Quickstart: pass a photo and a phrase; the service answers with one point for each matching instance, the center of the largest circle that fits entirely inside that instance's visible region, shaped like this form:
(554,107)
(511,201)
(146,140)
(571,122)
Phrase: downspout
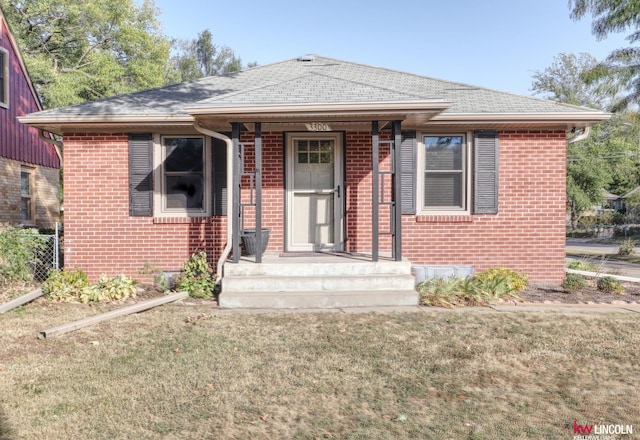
(55,143)
(582,136)
(227,249)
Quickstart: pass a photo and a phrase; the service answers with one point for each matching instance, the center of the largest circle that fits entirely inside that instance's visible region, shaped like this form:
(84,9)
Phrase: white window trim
(468,178)
(5,77)
(31,196)
(159,209)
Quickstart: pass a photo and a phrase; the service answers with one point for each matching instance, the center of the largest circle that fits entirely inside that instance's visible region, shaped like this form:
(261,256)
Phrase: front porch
(317,281)
(324,179)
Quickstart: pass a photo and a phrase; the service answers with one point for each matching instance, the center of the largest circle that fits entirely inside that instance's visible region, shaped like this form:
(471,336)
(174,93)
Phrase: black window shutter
(219,169)
(408,172)
(486,173)
(140,175)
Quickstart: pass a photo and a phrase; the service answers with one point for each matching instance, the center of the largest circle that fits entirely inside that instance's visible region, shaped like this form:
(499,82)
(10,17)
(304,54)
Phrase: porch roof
(309,87)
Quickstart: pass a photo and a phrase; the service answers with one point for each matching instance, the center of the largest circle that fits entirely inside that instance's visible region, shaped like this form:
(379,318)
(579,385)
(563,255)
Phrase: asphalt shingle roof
(322,80)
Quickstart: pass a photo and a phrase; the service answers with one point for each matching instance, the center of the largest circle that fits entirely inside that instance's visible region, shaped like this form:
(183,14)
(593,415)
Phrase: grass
(187,372)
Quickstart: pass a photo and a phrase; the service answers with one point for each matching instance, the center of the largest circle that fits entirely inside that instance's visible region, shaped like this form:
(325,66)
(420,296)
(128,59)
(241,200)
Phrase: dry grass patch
(180,372)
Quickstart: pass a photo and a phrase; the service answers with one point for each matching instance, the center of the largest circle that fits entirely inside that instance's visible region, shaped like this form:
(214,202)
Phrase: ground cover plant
(73,285)
(495,284)
(194,372)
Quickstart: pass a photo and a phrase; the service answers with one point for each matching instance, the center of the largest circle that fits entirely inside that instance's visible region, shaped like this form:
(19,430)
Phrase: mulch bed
(588,295)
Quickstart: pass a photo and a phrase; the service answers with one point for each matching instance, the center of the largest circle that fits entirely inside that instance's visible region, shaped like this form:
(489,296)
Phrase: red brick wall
(526,235)
(100,236)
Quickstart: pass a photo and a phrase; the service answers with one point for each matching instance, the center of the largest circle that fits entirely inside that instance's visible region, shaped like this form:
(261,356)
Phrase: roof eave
(61,124)
(577,119)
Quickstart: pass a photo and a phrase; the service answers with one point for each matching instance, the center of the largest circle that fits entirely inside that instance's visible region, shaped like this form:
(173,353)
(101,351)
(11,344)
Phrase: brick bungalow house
(29,165)
(355,173)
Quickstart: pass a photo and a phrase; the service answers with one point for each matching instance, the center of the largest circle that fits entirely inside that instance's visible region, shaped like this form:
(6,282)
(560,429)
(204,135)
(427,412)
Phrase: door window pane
(314,169)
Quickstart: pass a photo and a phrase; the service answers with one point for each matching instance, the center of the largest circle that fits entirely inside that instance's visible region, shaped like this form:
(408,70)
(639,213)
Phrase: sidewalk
(532,307)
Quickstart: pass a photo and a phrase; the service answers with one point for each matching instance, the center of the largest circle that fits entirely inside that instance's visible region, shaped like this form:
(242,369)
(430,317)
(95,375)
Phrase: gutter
(582,136)
(227,249)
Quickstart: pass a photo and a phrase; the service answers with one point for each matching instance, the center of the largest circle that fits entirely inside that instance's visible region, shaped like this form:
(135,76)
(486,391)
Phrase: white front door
(314,192)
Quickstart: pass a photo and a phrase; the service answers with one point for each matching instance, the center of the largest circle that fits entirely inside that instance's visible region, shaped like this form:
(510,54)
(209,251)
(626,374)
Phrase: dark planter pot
(250,243)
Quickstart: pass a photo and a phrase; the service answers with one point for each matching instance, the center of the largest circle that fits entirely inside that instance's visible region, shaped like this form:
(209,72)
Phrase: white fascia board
(36,120)
(320,109)
(523,117)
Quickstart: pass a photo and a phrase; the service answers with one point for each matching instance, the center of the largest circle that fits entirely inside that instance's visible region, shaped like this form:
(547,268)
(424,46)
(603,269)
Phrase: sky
(497,44)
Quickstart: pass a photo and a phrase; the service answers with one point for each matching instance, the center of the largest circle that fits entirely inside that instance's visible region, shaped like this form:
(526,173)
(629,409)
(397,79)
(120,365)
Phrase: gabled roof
(302,85)
(16,49)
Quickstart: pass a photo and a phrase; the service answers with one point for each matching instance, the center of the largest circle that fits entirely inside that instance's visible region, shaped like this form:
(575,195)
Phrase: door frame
(339,182)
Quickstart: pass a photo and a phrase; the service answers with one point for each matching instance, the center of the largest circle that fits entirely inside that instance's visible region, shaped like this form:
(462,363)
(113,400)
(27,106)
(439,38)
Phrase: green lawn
(183,372)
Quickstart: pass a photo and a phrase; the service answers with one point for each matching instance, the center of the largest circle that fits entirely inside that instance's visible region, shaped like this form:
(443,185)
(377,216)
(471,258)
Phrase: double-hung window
(443,173)
(26,196)
(184,179)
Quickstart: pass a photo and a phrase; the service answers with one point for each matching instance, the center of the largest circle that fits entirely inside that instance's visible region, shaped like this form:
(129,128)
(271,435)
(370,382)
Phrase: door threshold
(312,254)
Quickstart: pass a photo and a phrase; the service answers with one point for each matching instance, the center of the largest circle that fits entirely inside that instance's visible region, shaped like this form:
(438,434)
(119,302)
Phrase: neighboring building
(29,166)
(478,181)
(612,202)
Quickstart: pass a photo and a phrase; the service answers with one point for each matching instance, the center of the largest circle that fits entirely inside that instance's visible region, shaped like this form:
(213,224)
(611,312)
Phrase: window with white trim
(26,196)
(4,78)
(443,173)
(184,179)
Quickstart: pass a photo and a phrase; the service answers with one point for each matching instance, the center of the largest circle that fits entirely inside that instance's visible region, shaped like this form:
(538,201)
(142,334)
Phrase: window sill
(181,220)
(444,218)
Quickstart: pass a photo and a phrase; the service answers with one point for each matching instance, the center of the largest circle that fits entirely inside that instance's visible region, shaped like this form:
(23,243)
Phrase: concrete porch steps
(322,281)
(323,299)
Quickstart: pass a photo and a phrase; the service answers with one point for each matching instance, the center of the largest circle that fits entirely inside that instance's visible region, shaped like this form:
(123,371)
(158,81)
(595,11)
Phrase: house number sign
(318,126)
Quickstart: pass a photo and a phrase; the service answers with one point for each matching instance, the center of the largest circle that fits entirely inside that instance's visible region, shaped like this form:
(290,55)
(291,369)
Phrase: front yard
(194,372)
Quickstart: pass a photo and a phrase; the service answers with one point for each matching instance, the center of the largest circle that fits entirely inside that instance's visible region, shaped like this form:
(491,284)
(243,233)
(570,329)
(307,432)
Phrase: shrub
(573,282)
(18,254)
(610,285)
(490,285)
(65,285)
(73,285)
(197,277)
(583,265)
(109,289)
(627,247)
(441,292)
(500,281)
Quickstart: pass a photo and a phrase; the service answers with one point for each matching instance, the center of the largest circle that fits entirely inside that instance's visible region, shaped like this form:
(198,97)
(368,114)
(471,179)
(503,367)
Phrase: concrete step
(314,266)
(317,299)
(289,283)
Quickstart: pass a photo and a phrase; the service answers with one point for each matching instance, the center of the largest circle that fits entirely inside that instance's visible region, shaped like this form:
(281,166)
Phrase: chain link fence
(31,255)
(46,255)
